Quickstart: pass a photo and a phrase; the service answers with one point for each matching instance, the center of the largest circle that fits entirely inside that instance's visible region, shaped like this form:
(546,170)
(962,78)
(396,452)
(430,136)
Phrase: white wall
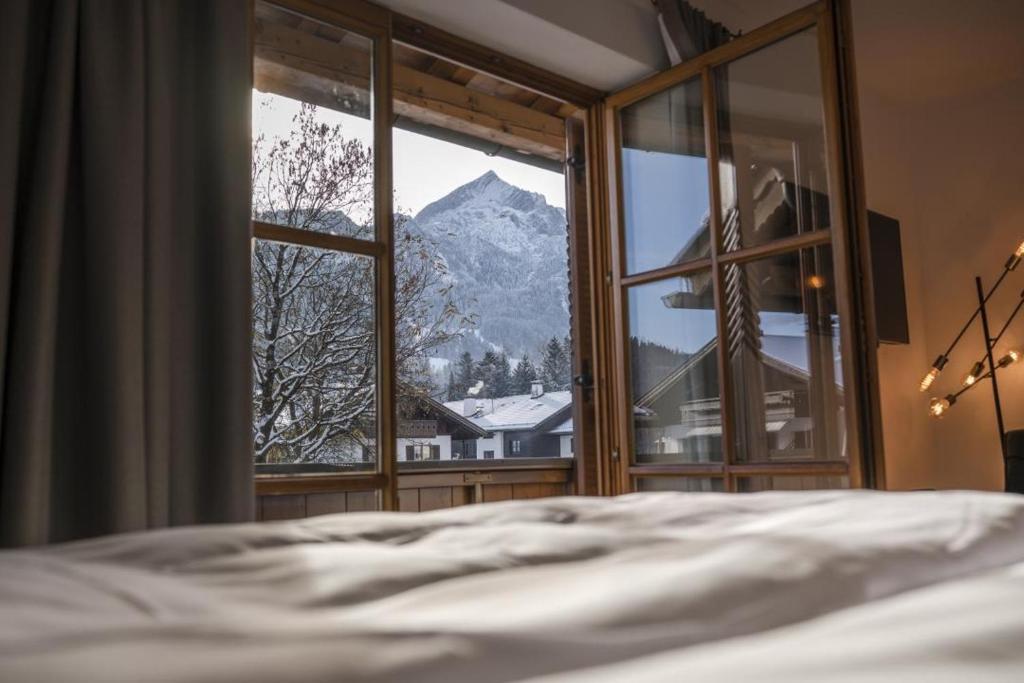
(565,446)
(495,443)
(950,168)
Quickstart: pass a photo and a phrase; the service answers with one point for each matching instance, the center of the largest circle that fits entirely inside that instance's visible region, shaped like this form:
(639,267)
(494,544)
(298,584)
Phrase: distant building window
(488,455)
(464,449)
(422,451)
(515,446)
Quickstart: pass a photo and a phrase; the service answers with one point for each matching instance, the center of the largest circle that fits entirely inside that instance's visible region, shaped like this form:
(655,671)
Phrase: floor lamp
(986,367)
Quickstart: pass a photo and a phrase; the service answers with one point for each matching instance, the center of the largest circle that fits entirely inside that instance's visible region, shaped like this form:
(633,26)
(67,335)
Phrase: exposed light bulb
(816,282)
(927,380)
(937,366)
(940,406)
(1014,261)
(972,376)
(1012,356)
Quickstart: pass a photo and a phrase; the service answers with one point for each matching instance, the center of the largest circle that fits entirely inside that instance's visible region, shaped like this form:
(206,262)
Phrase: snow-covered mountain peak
(489,191)
(506,251)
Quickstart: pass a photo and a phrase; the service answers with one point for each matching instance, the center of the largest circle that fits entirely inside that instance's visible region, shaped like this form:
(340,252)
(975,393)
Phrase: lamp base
(1015,461)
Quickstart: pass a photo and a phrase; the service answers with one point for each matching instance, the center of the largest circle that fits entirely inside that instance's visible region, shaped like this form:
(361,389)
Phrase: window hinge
(608,278)
(615,454)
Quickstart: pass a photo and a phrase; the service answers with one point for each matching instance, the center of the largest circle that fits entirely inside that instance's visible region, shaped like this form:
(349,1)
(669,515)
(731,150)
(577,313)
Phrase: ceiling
(602,43)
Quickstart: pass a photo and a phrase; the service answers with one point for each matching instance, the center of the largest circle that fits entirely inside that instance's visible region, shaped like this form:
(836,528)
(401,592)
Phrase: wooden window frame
(385,27)
(846,236)
(373,23)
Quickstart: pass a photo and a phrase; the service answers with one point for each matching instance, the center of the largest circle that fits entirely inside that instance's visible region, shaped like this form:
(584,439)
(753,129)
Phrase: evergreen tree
(502,378)
(555,371)
(486,371)
(463,377)
(452,392)
(524,376)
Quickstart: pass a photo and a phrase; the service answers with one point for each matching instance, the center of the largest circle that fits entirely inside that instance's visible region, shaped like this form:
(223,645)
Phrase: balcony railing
(289,492)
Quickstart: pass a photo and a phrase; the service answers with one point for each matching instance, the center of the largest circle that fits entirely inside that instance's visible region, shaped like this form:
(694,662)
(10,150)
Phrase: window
(422,452)
(464,449)
(729,287)
(321,321)
(481,238)
(363,312)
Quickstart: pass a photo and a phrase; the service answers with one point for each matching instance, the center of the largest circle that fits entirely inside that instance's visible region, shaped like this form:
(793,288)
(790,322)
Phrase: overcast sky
(425,169)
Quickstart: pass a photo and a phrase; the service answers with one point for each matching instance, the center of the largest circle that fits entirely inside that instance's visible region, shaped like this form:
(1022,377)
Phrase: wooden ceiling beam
(340,73)
(449,46)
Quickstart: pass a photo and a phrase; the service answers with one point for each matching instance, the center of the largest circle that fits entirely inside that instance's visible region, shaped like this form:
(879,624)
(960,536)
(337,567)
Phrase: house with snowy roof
(521,426)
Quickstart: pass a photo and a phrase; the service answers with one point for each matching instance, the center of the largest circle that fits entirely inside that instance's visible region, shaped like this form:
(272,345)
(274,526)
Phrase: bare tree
(314,355)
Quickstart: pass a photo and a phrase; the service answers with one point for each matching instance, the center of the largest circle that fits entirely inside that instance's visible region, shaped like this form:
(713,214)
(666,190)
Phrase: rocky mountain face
(507,253)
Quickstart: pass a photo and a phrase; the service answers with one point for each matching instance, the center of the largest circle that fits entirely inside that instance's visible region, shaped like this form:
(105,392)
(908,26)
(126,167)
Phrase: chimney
(536,390)
(469,407)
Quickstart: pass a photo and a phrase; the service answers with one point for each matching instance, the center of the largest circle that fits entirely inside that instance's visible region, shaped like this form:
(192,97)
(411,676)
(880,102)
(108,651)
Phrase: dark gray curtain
(124,266)
(686,31)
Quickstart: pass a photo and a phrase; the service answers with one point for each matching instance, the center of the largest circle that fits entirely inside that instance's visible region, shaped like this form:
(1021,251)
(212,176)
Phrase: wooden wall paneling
(449,46)
(317,66)
(435,498)
(276,508)
(361,501)
(496,492)
(408,500)
(462,495)
(325,503)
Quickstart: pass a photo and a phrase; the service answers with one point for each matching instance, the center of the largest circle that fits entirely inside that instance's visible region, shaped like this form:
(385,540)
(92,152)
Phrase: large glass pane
(683,484)
(672,338)
(665,179)
(773,170)
(484,355)
(314,357)
(785,359)
(791,482)
(312,125)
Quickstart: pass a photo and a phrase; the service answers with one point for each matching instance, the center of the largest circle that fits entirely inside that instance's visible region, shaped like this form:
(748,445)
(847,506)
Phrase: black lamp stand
(990,343)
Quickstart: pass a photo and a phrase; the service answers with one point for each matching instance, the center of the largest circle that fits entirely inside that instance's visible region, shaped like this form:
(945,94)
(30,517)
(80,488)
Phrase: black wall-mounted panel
(887,277)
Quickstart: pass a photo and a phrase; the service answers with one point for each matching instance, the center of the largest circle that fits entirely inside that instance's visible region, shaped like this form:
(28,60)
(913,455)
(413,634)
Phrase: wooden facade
(421,487)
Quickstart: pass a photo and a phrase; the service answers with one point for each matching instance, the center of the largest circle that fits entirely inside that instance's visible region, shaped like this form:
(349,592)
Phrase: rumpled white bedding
(822,586)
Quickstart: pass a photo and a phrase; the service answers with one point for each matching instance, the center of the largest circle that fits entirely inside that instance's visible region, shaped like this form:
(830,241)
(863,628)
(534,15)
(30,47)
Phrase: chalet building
(429,430)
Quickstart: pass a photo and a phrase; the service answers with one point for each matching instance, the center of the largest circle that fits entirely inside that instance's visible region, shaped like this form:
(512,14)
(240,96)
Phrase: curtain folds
(686,31)
(124,266)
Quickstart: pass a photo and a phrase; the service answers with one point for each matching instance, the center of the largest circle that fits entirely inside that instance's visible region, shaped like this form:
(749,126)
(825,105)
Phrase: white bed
(828,586)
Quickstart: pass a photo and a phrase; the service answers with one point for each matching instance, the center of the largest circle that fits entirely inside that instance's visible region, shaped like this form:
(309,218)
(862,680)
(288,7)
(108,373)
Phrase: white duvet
(648,587)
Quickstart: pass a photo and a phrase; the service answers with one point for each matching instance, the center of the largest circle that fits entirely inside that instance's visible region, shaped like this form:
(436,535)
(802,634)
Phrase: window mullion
(717,276)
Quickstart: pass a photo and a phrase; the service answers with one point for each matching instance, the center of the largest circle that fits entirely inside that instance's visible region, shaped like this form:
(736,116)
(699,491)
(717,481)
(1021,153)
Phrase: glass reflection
(676,409)
(665,179)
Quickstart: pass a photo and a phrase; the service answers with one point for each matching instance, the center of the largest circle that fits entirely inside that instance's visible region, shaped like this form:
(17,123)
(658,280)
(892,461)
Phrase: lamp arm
(1006,325)
(977,311)
(971,386)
